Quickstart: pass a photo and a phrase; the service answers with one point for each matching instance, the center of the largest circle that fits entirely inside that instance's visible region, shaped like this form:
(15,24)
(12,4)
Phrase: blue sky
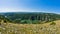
(51,6)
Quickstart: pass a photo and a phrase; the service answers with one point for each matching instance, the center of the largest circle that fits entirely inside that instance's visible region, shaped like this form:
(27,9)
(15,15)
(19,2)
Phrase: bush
(23,22)
(5,21)
(35,22)
(16,21)
(29,21)
(53,23)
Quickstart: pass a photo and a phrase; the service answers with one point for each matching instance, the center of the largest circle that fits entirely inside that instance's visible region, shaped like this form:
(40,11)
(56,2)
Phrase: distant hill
(30,17)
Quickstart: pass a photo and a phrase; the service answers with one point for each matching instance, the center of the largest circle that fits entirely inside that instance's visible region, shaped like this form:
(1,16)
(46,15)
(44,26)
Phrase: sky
(49,6)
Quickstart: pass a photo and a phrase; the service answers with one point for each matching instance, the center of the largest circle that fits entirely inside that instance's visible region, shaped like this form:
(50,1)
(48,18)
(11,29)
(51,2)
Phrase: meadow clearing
(46,28)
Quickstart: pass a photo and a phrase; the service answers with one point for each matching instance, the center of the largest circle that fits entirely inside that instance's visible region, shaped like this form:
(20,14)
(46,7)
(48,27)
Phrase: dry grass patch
(46,28)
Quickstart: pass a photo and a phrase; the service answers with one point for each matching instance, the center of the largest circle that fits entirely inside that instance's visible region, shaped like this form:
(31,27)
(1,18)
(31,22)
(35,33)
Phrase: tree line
(30,18)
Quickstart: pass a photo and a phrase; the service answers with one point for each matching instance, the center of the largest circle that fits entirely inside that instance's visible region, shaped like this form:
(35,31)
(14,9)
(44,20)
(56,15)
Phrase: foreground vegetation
(47,28)
(29,23)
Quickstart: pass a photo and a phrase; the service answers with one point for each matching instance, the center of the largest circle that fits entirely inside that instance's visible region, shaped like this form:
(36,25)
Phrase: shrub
(35,22)
(5,21)
(53,23)
(29,21)
(23,22)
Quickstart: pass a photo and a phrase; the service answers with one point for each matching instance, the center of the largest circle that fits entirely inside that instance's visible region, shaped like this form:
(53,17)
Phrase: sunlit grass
(46,28)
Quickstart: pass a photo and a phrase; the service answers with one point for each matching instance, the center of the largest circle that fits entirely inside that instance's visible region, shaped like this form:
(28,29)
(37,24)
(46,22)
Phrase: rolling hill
(29,17)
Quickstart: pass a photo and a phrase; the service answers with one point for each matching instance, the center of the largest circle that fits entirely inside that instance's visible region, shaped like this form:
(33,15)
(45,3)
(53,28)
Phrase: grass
(46,28)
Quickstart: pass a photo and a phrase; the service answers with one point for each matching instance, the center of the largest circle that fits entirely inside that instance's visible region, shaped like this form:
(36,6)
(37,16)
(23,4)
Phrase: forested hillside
(29,18)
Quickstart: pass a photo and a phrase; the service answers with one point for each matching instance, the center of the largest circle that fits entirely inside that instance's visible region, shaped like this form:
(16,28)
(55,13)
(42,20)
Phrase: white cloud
(21,10)
(18,10)
(11,10)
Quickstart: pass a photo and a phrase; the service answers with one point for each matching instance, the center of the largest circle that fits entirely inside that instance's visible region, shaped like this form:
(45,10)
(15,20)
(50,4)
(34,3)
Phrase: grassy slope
(46,28)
